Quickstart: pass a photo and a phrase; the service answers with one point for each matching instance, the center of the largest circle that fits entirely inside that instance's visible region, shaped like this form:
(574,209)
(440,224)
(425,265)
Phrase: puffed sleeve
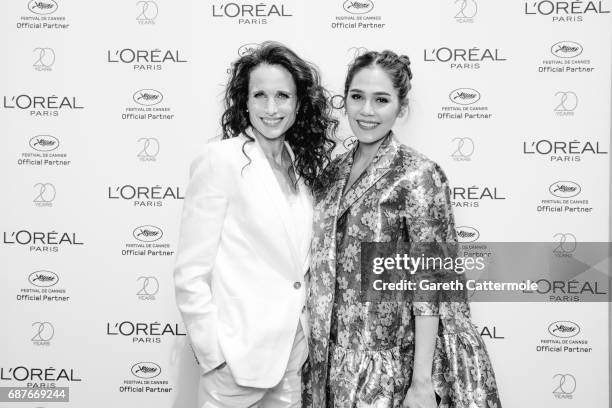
(202,221)
(432,232)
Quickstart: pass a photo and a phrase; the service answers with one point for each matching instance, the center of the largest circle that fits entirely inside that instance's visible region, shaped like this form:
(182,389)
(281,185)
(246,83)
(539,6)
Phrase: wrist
(419,379)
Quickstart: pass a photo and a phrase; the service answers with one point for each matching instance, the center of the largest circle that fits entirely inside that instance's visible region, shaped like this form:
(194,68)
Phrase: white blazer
(240,272)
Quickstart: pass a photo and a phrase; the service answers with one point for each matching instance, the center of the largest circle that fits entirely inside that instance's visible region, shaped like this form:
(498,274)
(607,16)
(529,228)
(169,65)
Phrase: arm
(426,330)
(434,228)
(201,226)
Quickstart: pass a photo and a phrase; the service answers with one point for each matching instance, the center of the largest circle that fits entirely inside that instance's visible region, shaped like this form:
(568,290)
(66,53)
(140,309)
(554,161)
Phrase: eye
(381,99)
(258,94)
(283,95)
(355,97)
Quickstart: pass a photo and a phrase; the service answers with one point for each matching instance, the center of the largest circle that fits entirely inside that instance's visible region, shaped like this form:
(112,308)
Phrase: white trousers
(219,390)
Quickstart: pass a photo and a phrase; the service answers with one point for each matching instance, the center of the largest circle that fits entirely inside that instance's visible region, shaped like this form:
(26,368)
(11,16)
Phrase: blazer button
(297,285)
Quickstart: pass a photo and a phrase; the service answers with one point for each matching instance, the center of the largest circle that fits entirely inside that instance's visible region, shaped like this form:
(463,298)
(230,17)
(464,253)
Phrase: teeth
(272,122)
(367,125)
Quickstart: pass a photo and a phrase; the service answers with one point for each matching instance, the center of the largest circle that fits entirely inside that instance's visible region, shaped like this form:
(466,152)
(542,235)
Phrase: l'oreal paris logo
(22,373)
(129,56)
(464,96)
(564,189)
(358,6)
(547,8)
(43,7)
(146,370)
(53,102)
(148,97)
(147,233)
(566,49)
(564,329)
(575,147)
(247,10)
(44,143)
(43,279)
(445,54)
(130,192)
(476,193)
(467,234)
(25,237)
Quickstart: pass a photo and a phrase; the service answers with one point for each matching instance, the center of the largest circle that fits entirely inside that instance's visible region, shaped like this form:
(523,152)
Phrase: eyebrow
(375,93)
(278,90)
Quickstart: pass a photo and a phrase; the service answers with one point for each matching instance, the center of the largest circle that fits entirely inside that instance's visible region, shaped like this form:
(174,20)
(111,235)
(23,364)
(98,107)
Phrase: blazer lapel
(381,165)
(270,185)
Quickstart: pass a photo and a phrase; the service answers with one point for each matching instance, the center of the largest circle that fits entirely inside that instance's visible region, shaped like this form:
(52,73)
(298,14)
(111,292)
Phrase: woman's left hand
(420,395)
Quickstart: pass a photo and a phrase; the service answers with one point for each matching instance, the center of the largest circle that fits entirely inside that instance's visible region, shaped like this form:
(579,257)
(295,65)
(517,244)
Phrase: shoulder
(219,153)
(229,146)
(419,168)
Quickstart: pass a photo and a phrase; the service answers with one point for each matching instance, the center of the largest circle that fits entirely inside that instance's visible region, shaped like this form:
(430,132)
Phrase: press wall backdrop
(105,104)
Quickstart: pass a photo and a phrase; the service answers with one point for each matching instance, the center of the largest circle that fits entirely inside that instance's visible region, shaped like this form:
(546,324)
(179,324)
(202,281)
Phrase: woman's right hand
(420,395)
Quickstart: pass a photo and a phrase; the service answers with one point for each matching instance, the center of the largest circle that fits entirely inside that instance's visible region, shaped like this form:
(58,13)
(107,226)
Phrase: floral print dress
(361,353)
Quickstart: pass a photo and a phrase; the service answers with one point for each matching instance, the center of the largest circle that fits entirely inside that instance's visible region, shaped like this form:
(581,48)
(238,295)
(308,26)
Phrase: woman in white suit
(243,251)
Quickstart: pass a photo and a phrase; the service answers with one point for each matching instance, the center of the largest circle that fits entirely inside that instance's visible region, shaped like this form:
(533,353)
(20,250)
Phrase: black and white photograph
(306,204)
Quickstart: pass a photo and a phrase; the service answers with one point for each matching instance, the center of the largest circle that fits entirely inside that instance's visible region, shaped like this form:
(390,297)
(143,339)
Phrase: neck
(367,151)
(272,148)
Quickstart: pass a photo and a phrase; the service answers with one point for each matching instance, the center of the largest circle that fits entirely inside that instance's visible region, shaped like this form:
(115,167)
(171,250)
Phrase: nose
(271,107)
(366,108)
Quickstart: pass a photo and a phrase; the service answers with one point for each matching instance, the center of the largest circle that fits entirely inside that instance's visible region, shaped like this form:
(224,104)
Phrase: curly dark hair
(310,137)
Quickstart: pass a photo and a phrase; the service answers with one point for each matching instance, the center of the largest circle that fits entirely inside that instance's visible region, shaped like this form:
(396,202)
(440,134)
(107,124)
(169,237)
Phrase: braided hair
(396,66)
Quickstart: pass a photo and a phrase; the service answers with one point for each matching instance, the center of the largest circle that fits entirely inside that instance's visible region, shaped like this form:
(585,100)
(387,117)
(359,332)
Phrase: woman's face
(272,102)
(372,104)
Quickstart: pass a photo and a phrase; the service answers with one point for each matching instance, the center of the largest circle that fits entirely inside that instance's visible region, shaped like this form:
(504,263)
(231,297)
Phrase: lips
(271,121)
(367,125)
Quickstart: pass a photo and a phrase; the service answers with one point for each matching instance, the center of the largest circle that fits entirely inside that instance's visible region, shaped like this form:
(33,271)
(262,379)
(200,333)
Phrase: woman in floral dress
(385,354)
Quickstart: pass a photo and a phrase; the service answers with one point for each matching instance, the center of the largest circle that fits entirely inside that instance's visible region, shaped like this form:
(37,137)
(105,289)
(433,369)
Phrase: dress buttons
(297,285)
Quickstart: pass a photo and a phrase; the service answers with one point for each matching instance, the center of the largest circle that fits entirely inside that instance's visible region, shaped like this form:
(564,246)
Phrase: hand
(420,395)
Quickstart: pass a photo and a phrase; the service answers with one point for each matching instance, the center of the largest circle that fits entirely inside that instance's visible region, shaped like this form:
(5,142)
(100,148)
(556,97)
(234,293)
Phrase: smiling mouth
(367,125)
(271,121)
